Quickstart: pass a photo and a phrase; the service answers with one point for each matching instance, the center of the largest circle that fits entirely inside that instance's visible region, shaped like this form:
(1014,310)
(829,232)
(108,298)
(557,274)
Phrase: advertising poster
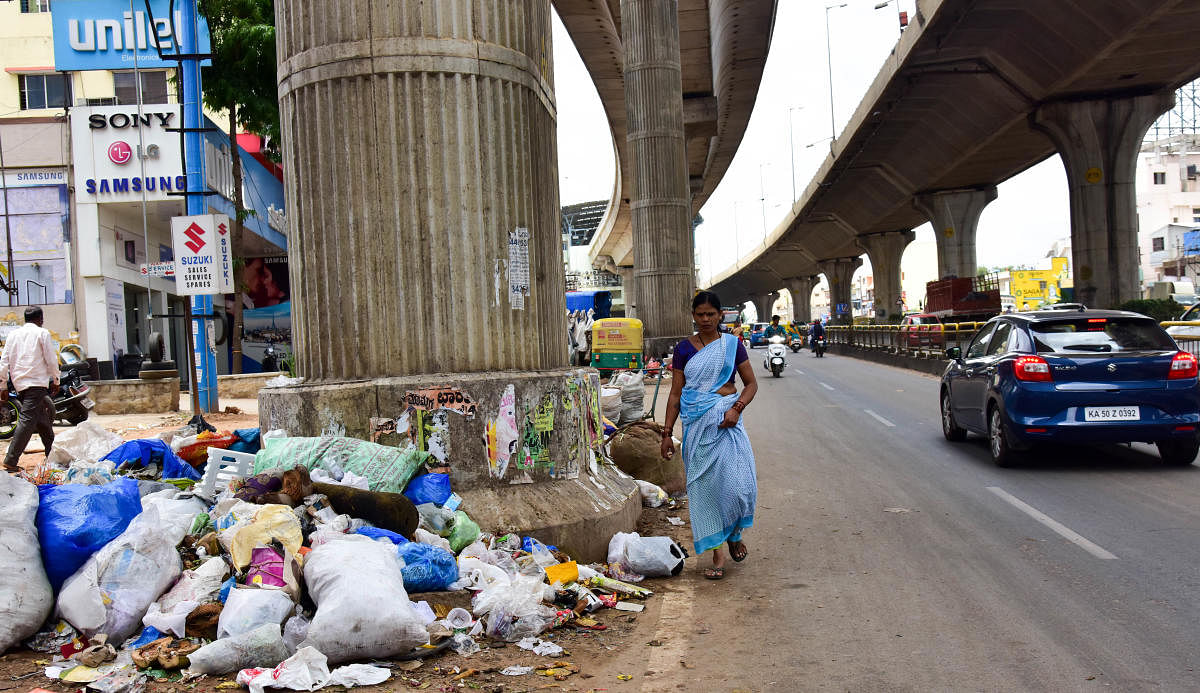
(267,313)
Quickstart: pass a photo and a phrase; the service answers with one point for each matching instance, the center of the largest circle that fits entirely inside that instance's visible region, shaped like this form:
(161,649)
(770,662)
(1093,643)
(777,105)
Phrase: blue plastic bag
(427,568)
(428,488)
(153,451)
(75,521)
(149,635)
(531,545)
(377,533)
(226,588)
(249,440)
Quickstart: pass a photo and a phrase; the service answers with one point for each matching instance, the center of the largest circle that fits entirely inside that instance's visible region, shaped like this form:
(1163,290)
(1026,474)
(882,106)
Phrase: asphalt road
(885,558)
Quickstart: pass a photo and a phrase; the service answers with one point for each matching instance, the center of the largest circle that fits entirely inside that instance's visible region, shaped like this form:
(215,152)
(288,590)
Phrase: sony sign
(106,34)
(121,155)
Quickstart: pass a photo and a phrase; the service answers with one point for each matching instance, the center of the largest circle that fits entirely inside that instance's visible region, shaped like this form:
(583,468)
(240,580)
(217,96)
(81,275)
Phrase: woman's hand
(731,419)
(667,448)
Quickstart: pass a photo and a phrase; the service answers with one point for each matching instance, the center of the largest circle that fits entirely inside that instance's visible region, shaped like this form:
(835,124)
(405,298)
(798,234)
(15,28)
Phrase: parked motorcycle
(71,403)
(774,361)
(819,346)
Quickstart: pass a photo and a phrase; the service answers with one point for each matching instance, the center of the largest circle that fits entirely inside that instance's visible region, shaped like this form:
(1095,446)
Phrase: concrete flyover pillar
(885,251)
(763,303)
(954,215)
(661,201)
(422,186)
(1099,141)
(801,289)
(839,272)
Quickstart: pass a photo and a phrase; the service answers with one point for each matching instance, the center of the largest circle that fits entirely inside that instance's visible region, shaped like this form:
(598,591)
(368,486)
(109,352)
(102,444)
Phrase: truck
(967,299)
(1182,290)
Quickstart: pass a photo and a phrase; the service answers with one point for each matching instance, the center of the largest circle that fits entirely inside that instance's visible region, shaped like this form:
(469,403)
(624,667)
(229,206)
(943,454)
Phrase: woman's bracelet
(739,405)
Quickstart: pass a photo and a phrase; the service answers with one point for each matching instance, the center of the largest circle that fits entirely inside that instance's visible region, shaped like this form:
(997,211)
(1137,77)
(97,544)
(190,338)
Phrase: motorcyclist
(816,331)
(774,329)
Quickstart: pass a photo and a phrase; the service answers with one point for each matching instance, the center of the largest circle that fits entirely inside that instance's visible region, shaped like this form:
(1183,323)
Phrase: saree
(721,484)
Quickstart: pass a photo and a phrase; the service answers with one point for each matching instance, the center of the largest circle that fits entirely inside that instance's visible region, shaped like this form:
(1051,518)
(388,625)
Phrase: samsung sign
(106,35)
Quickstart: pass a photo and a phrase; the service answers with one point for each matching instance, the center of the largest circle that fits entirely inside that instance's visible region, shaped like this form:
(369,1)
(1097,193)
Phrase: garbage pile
(276,557)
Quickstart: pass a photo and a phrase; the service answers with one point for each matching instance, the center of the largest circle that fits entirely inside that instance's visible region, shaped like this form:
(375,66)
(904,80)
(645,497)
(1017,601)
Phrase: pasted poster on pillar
(501,435)
(266,313)
(518,267)
(204,254)
(114,302)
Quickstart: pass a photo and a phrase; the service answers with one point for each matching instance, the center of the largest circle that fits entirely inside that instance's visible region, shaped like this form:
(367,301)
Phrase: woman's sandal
(736,556)
(714,573)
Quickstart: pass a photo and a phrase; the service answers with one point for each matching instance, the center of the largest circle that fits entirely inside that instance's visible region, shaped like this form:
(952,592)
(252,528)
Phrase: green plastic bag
(462,533)
(387,469)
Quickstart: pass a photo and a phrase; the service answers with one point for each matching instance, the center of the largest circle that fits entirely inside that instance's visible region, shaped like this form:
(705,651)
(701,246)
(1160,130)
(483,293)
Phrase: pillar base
(549,481)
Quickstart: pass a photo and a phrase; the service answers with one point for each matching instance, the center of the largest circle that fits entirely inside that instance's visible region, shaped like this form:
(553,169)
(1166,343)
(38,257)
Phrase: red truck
(974,299)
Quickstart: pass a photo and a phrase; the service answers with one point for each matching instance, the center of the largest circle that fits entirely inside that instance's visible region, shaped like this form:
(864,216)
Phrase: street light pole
(792,149)
(899,15)
(829,64)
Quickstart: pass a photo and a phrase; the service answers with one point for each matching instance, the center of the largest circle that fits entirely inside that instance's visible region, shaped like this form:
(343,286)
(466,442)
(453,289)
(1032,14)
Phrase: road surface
(887,559)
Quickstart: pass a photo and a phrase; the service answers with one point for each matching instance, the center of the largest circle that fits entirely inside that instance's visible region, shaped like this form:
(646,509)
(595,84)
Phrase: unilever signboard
(106,34)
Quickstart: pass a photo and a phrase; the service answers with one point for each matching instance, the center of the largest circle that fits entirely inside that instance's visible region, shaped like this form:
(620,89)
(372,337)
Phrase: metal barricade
(1188,339)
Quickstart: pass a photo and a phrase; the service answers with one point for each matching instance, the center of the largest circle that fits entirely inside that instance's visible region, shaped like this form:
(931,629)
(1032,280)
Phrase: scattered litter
(897,510)
(540,647)
(678,522)
(516,670)
(630,606)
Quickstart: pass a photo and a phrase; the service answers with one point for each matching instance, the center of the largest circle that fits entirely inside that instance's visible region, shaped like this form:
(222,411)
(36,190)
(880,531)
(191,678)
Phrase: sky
(788,137)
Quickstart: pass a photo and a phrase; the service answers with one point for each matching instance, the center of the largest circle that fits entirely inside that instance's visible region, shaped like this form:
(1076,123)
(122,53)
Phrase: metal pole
(762,200)
(12,279)
(829,64)
(792,150)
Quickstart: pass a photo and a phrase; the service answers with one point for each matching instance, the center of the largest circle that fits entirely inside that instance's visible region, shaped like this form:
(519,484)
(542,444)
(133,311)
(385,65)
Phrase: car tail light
(1182,366)
(1032,369)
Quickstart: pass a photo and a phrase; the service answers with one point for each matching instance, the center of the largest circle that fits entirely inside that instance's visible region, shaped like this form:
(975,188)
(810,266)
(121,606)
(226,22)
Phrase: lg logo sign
(119,153)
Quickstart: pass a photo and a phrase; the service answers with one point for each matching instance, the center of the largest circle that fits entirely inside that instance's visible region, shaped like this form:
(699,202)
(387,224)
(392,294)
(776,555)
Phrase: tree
(241,82)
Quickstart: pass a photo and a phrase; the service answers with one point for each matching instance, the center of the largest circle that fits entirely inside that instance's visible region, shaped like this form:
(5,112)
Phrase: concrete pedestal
(763,304)
(521,447)
(954,215)
(885,251)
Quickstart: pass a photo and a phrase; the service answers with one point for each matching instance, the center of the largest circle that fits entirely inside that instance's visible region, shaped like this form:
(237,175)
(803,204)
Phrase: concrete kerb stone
(932,366)
(540,476)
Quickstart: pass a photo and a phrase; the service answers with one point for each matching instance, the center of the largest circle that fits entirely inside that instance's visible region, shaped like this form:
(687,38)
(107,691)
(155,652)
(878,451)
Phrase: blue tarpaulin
(597,300)
(153,451)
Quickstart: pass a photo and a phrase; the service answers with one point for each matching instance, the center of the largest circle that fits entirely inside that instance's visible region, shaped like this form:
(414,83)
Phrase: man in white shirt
(30,362)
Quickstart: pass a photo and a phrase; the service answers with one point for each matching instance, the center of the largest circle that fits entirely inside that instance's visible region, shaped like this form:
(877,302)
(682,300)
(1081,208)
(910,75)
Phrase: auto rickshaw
(617,344)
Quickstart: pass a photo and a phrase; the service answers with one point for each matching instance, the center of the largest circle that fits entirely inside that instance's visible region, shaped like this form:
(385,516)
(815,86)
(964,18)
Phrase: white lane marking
(798,371)
(1056,526)
(880,419)
(827,387)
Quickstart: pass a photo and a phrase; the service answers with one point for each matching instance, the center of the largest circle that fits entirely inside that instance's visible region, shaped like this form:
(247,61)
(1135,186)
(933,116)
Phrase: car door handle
(990,370)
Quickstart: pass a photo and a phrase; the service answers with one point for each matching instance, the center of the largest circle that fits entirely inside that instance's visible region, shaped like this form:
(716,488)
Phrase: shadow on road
(1080,458)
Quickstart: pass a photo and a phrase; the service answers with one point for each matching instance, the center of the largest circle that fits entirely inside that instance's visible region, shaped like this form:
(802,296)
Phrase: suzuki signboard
(106,34)
(121,154)
(204,254)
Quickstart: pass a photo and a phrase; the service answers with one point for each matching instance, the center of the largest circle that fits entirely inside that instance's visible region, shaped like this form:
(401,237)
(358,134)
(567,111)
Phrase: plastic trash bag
(195,587)
(379,533)
(649,556)
(427,568)
(386,468)
(90,473)
(248,608)
(308,670)
(261,647)
(363,611)
(75,521)
(116,586)
(87,441)
(273,569)
(248,440)
(25,595)
(430,538)
(428,488)
(246,526)
(141,453)
(462,533)
(434,518)
(295,630)
(652,495)
(513,608)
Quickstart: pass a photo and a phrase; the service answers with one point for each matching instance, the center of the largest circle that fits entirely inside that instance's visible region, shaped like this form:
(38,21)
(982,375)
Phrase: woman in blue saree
(721,484)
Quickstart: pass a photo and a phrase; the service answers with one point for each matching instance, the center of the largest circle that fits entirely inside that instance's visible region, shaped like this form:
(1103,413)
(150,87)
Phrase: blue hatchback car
(1078,376)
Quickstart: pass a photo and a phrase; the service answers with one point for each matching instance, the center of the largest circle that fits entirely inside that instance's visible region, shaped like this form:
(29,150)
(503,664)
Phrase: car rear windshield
(1100,335)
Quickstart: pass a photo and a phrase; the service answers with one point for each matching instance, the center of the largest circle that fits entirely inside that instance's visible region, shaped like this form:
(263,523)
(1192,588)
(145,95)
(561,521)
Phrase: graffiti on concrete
(441,398)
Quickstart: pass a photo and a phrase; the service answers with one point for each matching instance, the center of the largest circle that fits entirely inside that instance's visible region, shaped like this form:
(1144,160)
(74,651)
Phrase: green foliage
(1161,309)
(243,71)
(289,364)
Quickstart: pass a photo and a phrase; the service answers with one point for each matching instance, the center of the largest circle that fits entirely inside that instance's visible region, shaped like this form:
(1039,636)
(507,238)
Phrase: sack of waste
(261,647)
(633,395)
(428,488)
(195,587)
(427,568)
(25,594)
(649,556)
(86,441)
(610,402)
(386,468)
(637,451)
(75,521)
(363,611)
(247,608)
(116,586)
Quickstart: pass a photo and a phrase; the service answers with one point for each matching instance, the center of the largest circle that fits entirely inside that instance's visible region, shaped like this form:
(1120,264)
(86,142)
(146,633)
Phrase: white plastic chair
(223,466)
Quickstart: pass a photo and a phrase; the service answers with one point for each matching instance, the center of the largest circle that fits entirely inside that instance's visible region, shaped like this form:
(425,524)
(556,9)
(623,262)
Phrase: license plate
(1111,414)
(87,402)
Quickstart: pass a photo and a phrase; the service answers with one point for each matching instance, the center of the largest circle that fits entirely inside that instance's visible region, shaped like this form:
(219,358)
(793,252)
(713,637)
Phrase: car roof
(1051,315)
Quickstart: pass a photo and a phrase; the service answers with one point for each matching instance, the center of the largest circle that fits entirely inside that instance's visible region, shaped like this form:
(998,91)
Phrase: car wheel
(1179,453)
(950,428)
(9,414)
(1002,453)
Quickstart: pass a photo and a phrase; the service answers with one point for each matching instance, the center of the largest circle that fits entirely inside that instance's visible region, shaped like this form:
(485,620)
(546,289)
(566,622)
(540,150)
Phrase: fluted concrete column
(839,272)
(885,251)
(422,186)
(763,304)
(801,289)
(954,215)
(660,201)
(1099,141)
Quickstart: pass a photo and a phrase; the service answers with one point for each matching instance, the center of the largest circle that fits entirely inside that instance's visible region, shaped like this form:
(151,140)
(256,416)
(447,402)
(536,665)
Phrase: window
(44,91)
(1000,339)
(1158,244)
(154,87)
(979,344)
(30,6)
(1160,178)
(1098,335)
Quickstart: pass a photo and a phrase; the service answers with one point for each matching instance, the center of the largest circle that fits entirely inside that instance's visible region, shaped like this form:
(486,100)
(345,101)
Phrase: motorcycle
(71,403)
(818,345)
(796,343)
(774,360)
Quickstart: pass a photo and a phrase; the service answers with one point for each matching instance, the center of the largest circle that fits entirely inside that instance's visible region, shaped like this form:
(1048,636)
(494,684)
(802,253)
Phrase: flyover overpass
(975,92)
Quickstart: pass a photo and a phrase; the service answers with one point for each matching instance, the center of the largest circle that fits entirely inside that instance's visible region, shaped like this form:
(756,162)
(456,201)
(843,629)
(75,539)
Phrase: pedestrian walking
(30,363)
(721,481)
